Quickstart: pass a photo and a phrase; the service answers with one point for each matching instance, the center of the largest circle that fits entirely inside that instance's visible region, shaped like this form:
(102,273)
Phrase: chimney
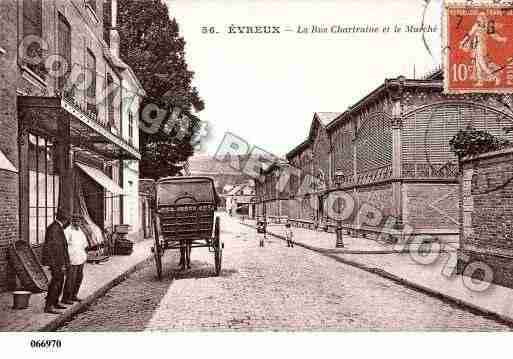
(114,35)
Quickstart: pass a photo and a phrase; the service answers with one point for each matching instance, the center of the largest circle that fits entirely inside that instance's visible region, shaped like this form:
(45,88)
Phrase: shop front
(69,160)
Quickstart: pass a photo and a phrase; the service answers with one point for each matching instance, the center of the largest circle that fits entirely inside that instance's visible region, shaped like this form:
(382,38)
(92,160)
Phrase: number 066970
(45,343)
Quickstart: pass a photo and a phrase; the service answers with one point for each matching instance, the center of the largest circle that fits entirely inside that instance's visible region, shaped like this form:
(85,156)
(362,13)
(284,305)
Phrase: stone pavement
(98,279)
(269,288)
(437,278)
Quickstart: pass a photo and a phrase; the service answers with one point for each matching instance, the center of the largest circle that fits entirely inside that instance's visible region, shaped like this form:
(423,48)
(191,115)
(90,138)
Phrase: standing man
(261,232)
(55,255)
(289,235)
(77,244)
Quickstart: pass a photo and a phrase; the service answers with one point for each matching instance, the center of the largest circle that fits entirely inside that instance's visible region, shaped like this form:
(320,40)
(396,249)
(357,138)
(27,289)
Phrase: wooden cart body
(184,217)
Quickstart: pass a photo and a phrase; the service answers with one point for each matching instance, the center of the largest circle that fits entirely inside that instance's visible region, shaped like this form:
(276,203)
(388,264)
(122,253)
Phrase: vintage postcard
(201,169)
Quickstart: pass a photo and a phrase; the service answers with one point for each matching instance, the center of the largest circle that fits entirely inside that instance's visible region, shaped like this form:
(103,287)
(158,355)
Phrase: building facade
(224,172)
(240,199)
(390,156)
(69,121)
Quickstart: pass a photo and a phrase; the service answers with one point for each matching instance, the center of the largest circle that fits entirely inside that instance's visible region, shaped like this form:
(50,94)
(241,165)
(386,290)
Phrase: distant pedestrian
(261,232)
(77,244)
(289,235)
(55,256)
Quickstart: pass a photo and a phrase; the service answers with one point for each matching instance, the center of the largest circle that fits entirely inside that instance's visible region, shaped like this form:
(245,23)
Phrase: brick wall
(8,220)
(487,213)
(8,135)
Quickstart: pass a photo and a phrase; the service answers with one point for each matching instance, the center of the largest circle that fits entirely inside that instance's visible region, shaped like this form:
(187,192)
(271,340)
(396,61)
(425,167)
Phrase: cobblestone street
(270,288)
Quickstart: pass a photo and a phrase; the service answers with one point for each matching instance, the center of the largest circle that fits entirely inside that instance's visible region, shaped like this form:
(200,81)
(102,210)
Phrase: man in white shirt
(77,244)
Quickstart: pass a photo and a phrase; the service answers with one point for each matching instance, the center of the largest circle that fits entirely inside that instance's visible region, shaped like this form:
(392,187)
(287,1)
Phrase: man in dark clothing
(55,255)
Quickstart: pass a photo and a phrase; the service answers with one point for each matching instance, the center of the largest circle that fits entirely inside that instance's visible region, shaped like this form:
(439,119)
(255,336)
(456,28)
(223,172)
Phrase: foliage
(471,142)
(150,43)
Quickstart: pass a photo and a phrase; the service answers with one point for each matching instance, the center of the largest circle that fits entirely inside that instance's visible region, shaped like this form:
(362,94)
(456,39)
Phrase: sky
(266,88)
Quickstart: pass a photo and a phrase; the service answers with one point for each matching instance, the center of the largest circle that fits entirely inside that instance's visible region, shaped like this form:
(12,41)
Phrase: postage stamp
(477,48)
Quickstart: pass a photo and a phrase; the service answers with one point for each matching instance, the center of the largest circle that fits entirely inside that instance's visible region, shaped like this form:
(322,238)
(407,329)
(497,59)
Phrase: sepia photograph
(291,175)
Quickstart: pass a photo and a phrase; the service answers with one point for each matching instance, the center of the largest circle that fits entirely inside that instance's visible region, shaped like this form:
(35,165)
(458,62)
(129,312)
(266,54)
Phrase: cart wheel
(218,247)
(157,250)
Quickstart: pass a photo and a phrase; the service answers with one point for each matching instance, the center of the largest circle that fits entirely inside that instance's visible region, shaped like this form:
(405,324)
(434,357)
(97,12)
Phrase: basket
(27,267)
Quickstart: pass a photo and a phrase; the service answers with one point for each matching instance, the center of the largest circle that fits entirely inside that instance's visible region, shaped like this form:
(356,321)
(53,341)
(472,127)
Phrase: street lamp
(338,231)
(340,238)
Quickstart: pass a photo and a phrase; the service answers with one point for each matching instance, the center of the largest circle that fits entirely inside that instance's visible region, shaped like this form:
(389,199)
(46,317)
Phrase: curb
(79,307)
(346,251)
(476,309)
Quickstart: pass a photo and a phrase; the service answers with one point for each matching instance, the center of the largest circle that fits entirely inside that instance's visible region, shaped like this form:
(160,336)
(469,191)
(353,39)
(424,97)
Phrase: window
(130,127)
(110,101)
(33,26)
(91,90)
(64,50)
(32,18)
(43,187)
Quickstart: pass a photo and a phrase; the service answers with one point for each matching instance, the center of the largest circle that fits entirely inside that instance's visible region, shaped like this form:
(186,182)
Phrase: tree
(150,43)
(472,142)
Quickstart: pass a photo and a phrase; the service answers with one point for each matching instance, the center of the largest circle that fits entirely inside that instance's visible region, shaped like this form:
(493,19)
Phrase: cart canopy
(183,190)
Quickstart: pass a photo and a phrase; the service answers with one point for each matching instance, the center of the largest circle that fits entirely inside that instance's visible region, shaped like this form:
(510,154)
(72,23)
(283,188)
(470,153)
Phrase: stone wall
(9,133)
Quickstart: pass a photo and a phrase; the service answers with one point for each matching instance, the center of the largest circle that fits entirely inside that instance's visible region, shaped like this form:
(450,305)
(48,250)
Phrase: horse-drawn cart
(184,218)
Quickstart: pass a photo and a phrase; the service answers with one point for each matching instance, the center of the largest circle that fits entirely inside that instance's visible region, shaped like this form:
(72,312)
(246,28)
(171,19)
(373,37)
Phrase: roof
(327,117)
(432,82)
(297,149)
(115,61)
(227,188)
(275,165)
(210,165)
(435,75)
(331,119)
(235,189)
(185,179)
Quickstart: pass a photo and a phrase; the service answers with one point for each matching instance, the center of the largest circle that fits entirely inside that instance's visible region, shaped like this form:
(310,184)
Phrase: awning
(5,164)
(41,115)
(102,179)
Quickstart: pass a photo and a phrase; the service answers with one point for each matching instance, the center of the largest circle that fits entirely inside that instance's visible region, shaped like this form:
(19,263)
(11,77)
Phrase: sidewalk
(98,279)
(438,278)
(325,242)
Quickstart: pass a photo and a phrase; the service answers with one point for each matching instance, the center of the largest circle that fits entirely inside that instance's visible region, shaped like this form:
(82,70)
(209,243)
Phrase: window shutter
(64,47)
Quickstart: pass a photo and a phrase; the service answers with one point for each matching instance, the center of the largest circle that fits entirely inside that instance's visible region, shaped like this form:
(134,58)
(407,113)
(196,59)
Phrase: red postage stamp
(478,48)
